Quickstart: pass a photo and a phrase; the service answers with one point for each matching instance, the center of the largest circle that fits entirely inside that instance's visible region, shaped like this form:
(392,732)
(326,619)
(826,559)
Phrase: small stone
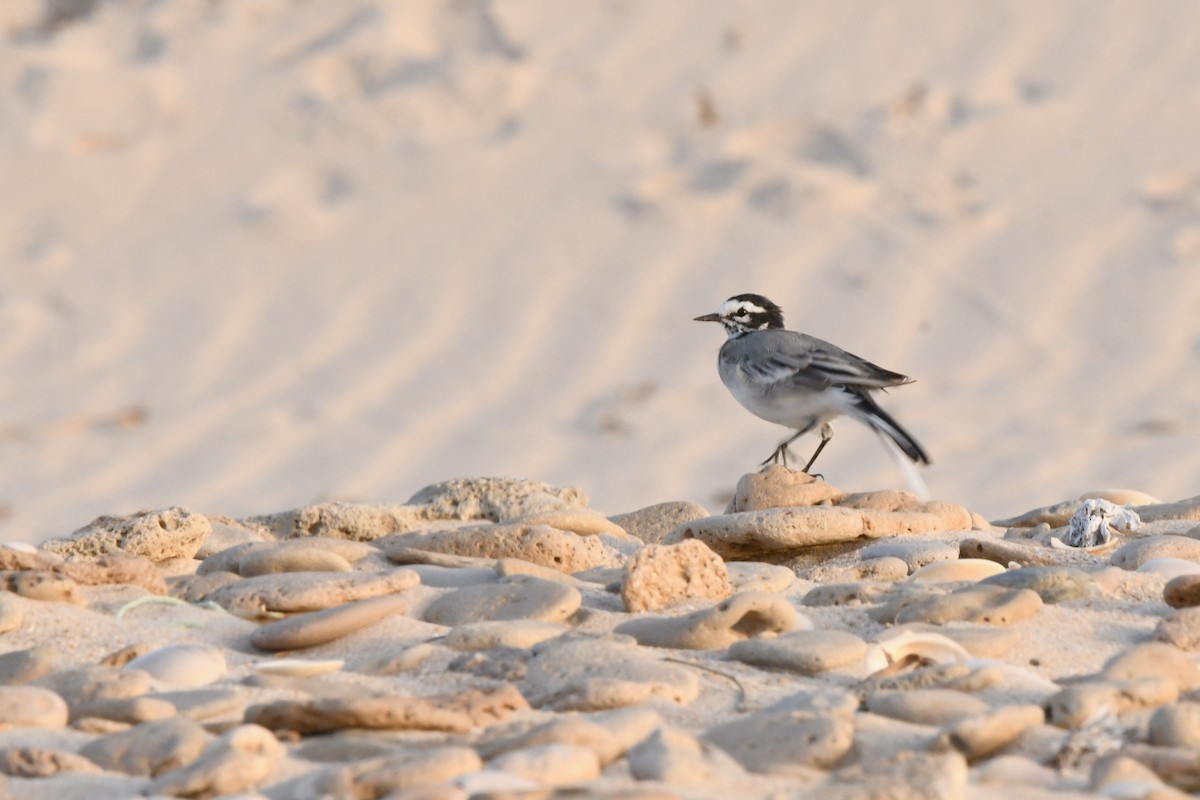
(581,521)
(299,667)
(749,533)
(1182,592)
(1170,568)
(205,705)
(993,605)
(293,592)
(926,706)
(538,544)
(659,576)
(1080,703)
(1024,553)
(31,707)
(84,687)
(458,713)
(1176,725)
(452,578)
(1056,516)
(196,588)
(1188,509)
(318,627)
(518,597)
(675,757)
(846,594)
(289,557)
(1181,629)
(755,576)
(516,566)
(401,775)
(777,742)
(495,499)
(130,710)
(779,487)
(239,760)
(1053,584)
(820,699)
(158,535)
(151,748)
(26,666)
(358,522)
(504,633)
(908,776)
(225,534)
(183,666)
(551,764)
(914,552)
(653,523)
(117,568)
(48,586)
(981,736)
(742,616)
(1137,552)
(12,613)
(575,731)
(806,652)
(1177,767)
(959,570)
(1154,660)
(39,762)
(618,674)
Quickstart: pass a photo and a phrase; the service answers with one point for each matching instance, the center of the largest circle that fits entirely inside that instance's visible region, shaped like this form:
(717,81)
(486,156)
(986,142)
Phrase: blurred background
(260,253)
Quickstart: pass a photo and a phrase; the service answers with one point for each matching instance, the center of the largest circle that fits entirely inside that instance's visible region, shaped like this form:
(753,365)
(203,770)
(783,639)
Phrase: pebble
(847,594)
(291,592)
(516,597)
(31,707)
(47,586)
(992,605)
(158,535)
(458,713)
(1154,660)
(958,570)
(755,576)
(12,613)
(494,499)
(653,523)
(1023,553)
(1181,629)
(538,544)
(981,736)
(675,757)
(399,775)
(914,552)
(659,576)
(808,652)
(225,534)
(453,577)
(551,764)
(1052,584)
(318,627)
(237,761)
(40,762)
(779,742)
(1176,725)
(182,666)
(196,588)
(780,487)
(1170,568)
(582,521)
(749,533)
(619,674)
(1137,552)
(203,705)
(910,776)
(524,634)
(297,556)
(151,748)
(1183,591)
(26,666)
(743,616)
(299,667)
(925,706)
(1080,703)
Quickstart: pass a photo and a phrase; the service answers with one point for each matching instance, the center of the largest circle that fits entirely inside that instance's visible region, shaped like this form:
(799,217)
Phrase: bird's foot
(779,455)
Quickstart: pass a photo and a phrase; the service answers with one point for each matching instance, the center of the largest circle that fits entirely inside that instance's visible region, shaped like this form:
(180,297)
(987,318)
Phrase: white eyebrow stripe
(730,307)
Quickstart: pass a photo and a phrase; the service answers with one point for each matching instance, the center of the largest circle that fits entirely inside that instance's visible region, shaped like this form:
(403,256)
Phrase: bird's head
(746,312)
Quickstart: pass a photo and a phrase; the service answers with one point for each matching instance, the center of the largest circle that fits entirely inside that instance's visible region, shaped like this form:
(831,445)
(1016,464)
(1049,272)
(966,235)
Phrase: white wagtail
(799,381)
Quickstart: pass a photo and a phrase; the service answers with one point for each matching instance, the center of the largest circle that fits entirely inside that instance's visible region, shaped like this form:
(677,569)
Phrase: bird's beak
(708,318)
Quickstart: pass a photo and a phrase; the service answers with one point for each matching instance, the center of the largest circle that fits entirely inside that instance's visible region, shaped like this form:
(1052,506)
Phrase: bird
(800,381)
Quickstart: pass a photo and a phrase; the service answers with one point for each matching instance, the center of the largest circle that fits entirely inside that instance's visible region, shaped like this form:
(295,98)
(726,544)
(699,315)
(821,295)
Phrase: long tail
(882,422)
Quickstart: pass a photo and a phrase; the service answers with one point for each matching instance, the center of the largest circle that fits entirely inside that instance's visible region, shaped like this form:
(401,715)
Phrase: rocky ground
(498,638)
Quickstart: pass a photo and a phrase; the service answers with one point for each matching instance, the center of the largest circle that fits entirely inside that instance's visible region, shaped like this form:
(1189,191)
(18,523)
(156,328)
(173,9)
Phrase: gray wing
(770,357)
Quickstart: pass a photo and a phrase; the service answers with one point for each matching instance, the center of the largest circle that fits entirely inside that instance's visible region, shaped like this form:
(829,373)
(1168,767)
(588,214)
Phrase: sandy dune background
(256,253)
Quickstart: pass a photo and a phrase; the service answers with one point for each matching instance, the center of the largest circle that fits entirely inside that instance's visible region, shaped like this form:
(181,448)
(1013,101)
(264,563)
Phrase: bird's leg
(780,453)
(826,435)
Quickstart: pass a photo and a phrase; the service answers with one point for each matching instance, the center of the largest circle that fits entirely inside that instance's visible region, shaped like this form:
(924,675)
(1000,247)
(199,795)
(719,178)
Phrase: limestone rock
(742,616)
(158,535)
(618,674)
(42,585)
(495,499)
(1137,552)
(755,576)
(239,760)
(1053,584)
(518,597)
(151,748)
(292,556)
(410,773)
(1154,660)
(538,544)
(12,613)
(780,487)
(993,605)
(808,652)
(914,551)
(355,521)
(1182,592)
(551,764)
(31,707)
(925,706)
(908,776)
(659,576)
(678,758)
(1181,629)
(653,523)
(25,666)
(980,736)
(969,570)
(40,762)
(522,634)
(294,591)
(183,666)
(116,568)
(777,742)
(318,627)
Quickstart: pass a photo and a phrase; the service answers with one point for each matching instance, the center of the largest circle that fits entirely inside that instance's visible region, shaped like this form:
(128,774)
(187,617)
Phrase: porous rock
(915,552)
(31,707)
(747,576)
(551,764)
(151,748)
(41,762)
(158,535)
(294,592)
(407,775)
(503,633)
(777,742)
(1181,629)
(993,605)
(740,617)
(1137,552)
(1024,553)
(239,760)
(43,585)
(778,487)
(1053,584)
(659,576)
(653,523)
(318,627)
(495,499)
(809,652)
(676,757)
(907,776)
(538,544)
(460,712)
(615,673)
(357,521)
(516,597)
